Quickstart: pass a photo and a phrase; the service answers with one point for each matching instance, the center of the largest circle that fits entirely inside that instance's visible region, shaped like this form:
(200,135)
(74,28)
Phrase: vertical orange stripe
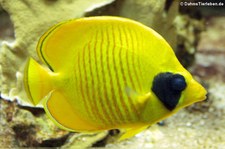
(108,104)
(129,52)
(129,56)
(82,87)
(136,56)
(124,79)
(86,87)
(128,78)
(93,98)
(98,92)
(117,79)
(105,96)
(113,97)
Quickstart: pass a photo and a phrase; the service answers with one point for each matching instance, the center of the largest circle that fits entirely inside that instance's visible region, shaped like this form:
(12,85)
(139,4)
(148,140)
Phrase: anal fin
(62,113)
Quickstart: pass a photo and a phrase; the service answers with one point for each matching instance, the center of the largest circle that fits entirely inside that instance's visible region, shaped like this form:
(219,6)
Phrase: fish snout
(194,92)
(199,91)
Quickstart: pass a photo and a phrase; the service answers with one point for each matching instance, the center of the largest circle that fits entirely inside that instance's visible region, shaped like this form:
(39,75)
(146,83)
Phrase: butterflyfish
(102,73)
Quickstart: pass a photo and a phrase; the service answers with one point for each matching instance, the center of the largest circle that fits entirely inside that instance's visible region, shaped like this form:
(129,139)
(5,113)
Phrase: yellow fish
(108,73)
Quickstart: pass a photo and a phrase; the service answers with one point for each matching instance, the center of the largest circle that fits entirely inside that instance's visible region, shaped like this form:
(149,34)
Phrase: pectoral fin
(138,98)
(62,113)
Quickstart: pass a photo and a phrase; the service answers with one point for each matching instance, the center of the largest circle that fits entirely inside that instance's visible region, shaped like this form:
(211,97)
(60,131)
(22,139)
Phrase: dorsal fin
(58,47)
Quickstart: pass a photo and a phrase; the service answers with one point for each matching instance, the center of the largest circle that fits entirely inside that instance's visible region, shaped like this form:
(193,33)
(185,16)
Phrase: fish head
(170,92)
(177,90)
(194,92)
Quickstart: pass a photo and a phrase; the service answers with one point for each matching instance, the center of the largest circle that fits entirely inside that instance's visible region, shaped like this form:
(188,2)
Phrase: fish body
(108,72)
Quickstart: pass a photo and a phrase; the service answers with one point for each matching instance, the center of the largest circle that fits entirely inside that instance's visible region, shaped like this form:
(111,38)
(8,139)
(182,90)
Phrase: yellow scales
(106,73)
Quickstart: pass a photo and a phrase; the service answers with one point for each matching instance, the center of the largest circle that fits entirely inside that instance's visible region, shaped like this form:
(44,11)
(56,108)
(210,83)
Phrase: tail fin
(37,81)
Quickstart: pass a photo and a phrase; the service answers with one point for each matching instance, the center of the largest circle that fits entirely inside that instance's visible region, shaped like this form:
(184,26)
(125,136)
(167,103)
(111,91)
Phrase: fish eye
(177,82)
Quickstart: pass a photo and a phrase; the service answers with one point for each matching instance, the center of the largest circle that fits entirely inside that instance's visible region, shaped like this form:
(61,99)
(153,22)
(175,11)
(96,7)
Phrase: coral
(20,127)
(83,140)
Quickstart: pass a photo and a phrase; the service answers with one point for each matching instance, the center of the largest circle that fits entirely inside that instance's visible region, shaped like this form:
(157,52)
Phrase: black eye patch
(168,87)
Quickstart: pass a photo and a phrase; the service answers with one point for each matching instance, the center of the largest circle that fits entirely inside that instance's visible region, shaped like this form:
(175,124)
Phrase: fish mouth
(197,100)
(191,101)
